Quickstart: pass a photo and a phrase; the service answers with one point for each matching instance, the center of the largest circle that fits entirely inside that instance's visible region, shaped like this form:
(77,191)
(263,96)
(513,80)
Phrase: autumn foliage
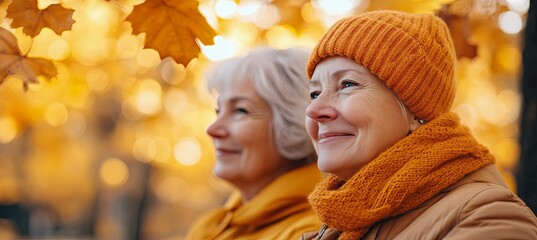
(171,28)
(27,15)
(13,62)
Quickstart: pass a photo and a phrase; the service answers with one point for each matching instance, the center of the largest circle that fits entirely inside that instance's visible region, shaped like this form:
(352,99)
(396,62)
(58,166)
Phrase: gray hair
(279,78)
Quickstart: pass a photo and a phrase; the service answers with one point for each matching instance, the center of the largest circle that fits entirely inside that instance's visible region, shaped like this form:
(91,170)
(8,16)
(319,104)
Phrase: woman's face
(352,116)
(245,152)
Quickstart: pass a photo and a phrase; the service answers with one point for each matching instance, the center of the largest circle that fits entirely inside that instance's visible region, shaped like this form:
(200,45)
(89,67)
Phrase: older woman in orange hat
(262,148)
(401,164)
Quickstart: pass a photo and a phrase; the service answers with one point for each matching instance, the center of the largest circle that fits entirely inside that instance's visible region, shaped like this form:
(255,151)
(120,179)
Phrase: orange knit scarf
(401,178)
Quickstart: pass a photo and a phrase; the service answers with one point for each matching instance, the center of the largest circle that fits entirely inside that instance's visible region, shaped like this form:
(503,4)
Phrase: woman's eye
(347,84)
(240,110)
(314,95)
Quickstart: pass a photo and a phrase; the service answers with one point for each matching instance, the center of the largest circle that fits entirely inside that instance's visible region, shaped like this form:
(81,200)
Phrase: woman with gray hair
(262,148)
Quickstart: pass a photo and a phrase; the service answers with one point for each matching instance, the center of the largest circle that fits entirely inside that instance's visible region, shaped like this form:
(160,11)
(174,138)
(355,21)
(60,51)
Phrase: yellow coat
(280,211)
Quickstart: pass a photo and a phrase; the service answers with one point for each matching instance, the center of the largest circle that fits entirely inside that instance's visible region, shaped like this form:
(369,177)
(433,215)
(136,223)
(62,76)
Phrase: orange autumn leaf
(13,62)
(171,28)
(459,29)
(27,15)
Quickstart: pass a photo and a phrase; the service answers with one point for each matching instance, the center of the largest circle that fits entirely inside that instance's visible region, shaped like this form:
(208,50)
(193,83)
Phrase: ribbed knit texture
(406,175)
(412,53)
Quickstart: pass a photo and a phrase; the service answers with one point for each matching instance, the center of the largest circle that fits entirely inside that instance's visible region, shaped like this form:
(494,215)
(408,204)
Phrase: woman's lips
(225,152)
(329,136)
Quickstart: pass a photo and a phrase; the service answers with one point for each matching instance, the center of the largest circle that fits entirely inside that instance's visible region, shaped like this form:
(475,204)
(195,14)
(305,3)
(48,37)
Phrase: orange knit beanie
(412,53)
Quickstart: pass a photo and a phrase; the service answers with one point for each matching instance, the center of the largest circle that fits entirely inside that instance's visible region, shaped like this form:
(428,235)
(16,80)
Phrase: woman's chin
(326,167)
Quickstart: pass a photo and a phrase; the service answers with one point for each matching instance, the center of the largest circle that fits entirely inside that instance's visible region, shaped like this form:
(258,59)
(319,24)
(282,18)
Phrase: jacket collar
(284,196)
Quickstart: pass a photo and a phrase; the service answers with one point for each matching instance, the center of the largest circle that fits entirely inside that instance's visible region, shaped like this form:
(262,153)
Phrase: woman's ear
(415,124)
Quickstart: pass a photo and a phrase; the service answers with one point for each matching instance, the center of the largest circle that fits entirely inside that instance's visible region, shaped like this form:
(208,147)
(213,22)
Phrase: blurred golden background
(114,146)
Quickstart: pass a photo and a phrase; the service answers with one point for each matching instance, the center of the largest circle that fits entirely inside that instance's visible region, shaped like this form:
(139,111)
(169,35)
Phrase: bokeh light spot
(76,124)
(128,46)
(59,49)
(148,99)
(510,22)
(144,149)
(8,129)
(225,8)
(223,48)
(55,114)
(97,80)
(148,58)
(187,151)
(114,172)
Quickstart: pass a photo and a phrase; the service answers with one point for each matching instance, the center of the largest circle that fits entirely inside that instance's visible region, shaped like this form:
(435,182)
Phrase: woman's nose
(216,129)
(321,109)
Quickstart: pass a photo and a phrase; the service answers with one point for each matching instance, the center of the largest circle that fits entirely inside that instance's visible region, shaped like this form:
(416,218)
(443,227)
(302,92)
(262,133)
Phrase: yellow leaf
(27,15)
(171,27)
(12,62)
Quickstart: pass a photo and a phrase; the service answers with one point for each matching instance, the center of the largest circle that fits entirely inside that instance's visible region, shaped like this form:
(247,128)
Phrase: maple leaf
(12,62)
(171,28)
(27,15)
(459,29)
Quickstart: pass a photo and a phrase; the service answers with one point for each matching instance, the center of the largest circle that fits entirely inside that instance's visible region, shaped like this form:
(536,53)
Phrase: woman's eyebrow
(314,82)
(338,73)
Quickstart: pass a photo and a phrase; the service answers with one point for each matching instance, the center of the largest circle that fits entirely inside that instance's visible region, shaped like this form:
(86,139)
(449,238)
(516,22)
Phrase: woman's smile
(224,152)
(333,136)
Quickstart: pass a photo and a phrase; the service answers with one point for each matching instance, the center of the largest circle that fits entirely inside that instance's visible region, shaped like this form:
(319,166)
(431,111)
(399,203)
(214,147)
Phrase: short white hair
(279,77)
